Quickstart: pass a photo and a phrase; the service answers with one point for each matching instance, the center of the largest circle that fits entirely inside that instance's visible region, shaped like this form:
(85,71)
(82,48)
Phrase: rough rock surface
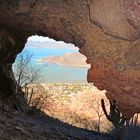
(107,33)
(42,127)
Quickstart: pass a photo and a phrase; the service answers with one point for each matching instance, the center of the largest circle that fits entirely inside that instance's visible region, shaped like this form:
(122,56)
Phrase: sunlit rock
(107,33)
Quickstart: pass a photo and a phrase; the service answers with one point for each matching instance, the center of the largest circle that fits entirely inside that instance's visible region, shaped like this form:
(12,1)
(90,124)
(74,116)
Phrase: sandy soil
(76,104)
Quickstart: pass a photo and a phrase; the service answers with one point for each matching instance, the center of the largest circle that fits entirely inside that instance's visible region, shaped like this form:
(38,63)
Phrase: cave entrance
(58,61)
(63,92)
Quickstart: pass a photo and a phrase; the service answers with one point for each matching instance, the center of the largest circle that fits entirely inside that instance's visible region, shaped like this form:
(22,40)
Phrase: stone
(107,33)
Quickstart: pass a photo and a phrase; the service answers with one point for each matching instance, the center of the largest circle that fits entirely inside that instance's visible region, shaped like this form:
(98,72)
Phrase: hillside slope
(38,126)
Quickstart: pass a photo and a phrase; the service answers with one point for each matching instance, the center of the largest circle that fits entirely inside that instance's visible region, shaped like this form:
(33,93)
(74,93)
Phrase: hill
(68,59)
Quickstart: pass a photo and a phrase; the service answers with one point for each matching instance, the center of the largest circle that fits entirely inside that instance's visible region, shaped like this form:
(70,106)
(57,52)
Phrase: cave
(45,60)
(107,33)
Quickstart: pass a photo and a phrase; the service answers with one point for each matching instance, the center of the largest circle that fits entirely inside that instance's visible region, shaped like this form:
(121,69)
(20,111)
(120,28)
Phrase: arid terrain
(76,104)
(63,110)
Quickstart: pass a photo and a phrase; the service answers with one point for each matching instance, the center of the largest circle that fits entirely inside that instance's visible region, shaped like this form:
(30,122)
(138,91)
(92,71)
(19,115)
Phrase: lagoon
(54,73)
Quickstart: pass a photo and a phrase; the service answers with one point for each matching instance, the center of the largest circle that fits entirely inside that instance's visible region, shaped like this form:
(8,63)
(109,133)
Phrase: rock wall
(107,33)
(11,96)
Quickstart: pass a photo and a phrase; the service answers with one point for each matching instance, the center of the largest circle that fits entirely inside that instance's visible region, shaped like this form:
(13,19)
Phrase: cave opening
(59,62)
(62,90)
(108,34)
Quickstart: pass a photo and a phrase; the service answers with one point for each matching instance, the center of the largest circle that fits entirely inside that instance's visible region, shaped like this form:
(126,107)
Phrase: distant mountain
(68,59)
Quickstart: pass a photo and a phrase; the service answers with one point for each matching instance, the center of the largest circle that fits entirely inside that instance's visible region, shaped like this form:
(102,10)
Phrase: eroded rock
(107,33)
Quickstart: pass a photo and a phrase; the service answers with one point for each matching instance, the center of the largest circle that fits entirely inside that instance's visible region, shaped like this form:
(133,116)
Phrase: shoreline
(63,83)
(58,63)
(68,59)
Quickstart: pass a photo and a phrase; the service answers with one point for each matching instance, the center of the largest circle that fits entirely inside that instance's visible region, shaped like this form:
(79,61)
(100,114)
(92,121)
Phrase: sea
(55,73)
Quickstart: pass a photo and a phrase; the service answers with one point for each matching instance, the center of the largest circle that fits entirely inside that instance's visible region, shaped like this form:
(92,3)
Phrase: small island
(68,59)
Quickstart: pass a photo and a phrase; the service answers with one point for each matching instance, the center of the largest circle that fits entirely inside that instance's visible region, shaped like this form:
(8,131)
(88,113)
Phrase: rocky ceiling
(106,31)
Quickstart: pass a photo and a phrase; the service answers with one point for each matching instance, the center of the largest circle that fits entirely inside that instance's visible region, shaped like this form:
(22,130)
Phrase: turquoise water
(44,52)
(53,72)
(57,73)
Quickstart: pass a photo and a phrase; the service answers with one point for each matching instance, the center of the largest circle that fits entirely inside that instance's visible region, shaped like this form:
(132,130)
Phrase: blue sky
(47,42)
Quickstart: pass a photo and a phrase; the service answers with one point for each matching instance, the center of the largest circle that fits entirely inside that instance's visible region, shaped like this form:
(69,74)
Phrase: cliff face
(107,33)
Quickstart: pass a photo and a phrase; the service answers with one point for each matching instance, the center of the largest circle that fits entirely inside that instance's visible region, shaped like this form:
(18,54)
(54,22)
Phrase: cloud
(46,42)
(40,39)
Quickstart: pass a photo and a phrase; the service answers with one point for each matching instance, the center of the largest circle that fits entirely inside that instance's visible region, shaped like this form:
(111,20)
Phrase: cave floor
(15,126)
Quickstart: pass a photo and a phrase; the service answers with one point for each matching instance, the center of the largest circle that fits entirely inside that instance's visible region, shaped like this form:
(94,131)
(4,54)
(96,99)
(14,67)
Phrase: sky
(40,41)
(42,47)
